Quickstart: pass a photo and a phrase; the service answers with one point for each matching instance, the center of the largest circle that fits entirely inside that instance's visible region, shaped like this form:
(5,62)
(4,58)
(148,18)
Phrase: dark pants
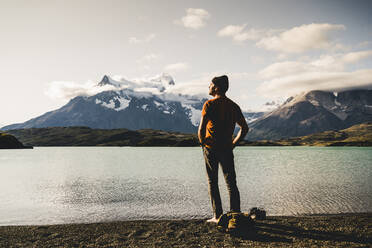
(226,159)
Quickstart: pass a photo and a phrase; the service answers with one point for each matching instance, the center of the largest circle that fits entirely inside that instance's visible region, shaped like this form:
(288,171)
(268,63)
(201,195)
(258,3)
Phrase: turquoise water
(49,185)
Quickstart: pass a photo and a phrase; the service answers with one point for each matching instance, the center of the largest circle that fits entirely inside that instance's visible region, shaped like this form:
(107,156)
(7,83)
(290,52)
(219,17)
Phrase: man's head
(219,85)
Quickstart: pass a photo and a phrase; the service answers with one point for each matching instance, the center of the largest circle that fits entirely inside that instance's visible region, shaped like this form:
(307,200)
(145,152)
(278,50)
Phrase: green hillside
(8,141)
(85,136)
(357,135)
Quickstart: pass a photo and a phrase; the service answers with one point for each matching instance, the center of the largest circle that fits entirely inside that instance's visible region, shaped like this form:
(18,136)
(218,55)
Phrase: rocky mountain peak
(105,80)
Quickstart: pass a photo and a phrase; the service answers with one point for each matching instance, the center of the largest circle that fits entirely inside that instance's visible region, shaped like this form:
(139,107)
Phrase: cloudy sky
(269,49)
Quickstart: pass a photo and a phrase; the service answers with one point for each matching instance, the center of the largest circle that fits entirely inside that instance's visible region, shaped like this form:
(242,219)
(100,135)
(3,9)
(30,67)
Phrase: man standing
(219,116)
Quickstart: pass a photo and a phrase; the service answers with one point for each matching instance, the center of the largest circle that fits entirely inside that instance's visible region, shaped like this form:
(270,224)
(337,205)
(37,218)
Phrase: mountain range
(131,105)
(154,104)
(313,112)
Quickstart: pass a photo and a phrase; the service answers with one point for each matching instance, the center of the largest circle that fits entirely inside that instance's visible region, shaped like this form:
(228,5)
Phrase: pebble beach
(341,230)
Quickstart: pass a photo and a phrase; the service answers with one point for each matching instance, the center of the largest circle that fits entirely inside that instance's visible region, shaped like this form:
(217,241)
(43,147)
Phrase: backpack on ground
(235,223)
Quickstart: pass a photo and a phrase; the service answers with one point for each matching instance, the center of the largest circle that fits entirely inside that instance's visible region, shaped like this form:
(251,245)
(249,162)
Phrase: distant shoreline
(330,230)
(358,135)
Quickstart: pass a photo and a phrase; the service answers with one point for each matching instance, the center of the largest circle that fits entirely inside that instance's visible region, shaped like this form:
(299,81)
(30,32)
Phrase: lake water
(49,185)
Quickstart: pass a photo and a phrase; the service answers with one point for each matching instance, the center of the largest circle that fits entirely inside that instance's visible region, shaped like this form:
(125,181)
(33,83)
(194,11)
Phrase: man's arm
(202,128)
(242,132)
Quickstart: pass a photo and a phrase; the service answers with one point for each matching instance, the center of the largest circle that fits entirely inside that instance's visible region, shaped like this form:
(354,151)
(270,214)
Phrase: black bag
(257,214)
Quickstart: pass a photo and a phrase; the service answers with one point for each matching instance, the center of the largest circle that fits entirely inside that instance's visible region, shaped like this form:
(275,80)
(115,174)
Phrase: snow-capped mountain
(312,112)
(138,104)
(132,105)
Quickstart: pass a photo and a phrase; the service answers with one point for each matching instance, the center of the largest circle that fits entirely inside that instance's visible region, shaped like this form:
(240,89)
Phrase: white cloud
(329,81)
(231,30)
(328,62)
(176,67)
(198,86)
(148,38)
(238,33)
(194,19)
(295,40)
(66,90)
(325,73)
(303,38)
(356,56)
(325,63)
(283,69)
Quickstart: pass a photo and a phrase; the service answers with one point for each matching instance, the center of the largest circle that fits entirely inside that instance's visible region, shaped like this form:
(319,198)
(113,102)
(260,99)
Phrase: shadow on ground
(277,232)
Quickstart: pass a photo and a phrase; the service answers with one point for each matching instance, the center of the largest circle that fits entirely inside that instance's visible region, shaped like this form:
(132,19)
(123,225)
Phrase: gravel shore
(346,230)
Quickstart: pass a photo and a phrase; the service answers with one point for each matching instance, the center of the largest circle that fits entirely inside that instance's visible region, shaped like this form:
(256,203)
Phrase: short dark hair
(222,83)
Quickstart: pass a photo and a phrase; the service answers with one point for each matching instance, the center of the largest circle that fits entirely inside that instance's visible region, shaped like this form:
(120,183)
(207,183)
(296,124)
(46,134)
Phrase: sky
(269,49)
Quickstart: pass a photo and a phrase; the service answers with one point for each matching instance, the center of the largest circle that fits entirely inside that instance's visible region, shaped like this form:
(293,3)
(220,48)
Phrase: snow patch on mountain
(145,107)
(158,103)
(110,104)
(194,114)
(249,120)
(117,103)
(124,103)
(158,87)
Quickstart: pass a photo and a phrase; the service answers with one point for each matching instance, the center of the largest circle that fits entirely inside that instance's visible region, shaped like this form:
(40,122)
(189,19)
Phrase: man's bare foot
(213,220)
